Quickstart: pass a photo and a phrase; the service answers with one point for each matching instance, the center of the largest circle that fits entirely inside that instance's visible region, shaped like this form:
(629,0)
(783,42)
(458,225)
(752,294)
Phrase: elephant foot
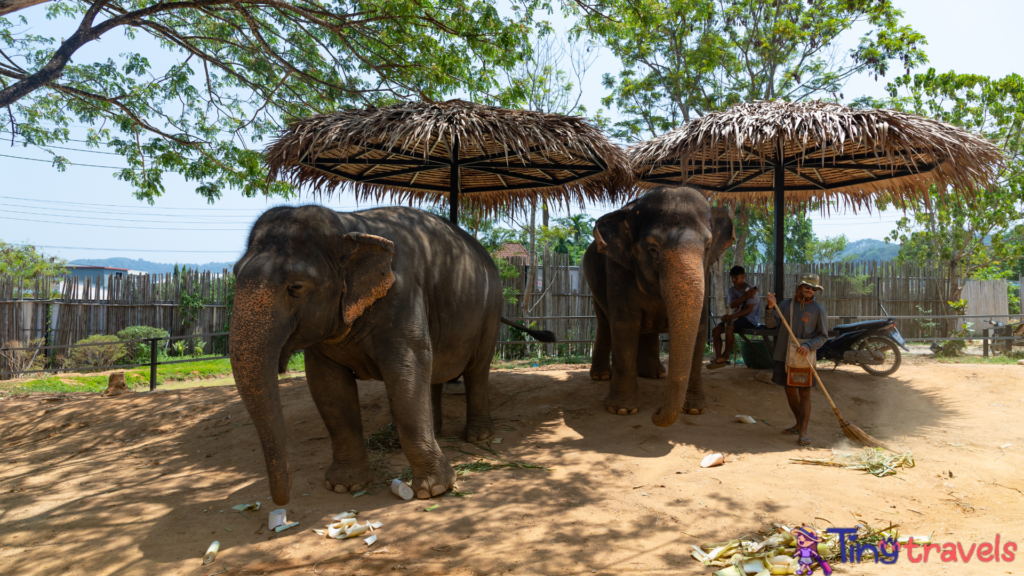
(478,430)
(342,479)
(623,406)
(433,484)
(695,404)
(597,373)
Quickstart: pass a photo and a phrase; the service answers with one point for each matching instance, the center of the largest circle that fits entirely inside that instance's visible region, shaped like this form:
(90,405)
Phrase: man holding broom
(808,321)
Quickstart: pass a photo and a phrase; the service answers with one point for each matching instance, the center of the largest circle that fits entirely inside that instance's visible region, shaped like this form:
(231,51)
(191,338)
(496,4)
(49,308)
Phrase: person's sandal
(790,431)
(717,365)
(804,442)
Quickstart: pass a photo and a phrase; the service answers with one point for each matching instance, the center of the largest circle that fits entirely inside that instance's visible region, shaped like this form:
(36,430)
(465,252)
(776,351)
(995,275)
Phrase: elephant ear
(614,238)
(722,235)
(368,275)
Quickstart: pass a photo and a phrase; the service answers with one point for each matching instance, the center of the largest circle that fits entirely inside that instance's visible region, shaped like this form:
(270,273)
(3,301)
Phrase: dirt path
(142,484)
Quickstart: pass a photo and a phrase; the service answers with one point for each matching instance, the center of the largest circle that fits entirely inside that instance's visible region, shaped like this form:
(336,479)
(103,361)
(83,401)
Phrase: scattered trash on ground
(434,507)
(284,527)
(772,552)
(211,553)
(496,441)
(253,506)
(746,419)
(401,489)
(360,493)
(346,526)
(712,460)
(278,517)
(765,377)
(876,461)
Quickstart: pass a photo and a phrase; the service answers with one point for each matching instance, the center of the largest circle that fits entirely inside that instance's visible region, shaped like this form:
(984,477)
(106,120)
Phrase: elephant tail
(541,335)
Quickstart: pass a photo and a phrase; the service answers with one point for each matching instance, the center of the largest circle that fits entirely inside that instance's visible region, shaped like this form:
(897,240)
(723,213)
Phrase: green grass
(979,359)
(136,378)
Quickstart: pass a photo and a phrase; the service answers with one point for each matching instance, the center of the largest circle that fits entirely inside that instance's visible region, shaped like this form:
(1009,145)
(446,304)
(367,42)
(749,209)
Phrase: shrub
(20,360)
(139,352)
(95,355)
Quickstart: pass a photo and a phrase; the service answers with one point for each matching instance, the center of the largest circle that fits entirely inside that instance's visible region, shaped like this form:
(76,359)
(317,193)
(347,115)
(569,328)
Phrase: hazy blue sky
(86,213)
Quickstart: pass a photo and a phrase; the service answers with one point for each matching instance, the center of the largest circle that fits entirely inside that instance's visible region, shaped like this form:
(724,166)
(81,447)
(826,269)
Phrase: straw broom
(851,431)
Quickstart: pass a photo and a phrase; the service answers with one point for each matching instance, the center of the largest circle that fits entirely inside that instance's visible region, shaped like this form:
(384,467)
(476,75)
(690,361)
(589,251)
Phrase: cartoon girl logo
(807,552)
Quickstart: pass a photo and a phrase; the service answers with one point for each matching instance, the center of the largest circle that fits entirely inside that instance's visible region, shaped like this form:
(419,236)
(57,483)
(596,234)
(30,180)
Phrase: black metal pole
(780,228)
(454,184)
(152,364)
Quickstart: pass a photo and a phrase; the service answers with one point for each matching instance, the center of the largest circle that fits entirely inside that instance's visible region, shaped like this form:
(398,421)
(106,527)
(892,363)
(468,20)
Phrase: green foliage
(140,352)
(760,228)
(684,58)
(827,249)
(507,271)
(90,356)
(237,72)
(22,261)
(969,235)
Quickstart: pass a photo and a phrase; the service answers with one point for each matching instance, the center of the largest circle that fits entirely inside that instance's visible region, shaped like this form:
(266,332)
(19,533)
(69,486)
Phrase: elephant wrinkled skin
(648,271)
(392,294)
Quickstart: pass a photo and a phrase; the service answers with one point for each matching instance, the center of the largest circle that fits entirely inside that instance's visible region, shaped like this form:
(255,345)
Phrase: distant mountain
(151,267)
(870,249)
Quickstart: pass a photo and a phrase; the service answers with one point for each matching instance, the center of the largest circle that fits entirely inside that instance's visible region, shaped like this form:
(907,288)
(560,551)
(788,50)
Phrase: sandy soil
(141,484)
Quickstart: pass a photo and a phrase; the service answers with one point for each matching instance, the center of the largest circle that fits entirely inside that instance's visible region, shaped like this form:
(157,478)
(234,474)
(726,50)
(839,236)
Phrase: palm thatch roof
(829,152)
(411,151)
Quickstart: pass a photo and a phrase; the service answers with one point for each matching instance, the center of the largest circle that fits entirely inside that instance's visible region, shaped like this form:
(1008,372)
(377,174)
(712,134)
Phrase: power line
(116,219)
(129,227)
(106,212)
(137,250)
(73,163)
(90,204)
(64,148)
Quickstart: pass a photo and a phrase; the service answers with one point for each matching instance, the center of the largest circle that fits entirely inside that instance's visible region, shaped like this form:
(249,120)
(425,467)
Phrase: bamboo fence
(63,311)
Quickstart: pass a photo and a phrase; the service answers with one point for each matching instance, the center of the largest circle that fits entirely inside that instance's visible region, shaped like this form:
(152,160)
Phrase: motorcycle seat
(862,325)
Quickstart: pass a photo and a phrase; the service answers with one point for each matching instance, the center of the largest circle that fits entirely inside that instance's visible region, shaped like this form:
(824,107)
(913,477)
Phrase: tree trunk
(740,246)
(545,302)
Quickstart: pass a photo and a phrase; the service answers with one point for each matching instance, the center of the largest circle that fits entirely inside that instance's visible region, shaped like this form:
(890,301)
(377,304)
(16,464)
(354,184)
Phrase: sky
(86,213)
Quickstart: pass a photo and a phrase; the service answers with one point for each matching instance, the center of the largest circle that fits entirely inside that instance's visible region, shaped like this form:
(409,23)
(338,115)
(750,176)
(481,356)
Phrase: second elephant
(648,271)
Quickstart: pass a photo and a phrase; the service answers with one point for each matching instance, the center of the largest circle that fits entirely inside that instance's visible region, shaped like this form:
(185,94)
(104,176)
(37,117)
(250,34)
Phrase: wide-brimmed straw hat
(811,280)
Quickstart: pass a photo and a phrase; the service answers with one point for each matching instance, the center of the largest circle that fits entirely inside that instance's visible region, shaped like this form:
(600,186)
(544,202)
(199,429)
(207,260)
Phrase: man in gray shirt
(809,322)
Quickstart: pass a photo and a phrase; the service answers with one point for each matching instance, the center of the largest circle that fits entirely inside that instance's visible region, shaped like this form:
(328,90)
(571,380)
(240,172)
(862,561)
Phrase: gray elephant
(392,294)
(648,270)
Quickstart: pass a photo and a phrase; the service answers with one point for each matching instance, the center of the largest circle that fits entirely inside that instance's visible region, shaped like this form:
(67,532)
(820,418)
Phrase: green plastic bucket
(750,356)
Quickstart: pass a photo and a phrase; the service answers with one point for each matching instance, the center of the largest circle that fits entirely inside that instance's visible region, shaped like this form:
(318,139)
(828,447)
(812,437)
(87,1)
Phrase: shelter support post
(780,230)
(454,185)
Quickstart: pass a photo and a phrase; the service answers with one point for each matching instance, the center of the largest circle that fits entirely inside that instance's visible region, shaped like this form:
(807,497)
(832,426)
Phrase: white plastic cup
(278,517)
(211,553)
(401,489)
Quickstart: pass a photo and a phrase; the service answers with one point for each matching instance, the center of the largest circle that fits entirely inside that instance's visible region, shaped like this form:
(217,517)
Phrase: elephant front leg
(336,396)
(623,390)
(407,380)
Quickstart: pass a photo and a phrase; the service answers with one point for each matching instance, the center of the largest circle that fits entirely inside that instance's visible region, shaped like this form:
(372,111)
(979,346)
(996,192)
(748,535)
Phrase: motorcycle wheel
(888,348)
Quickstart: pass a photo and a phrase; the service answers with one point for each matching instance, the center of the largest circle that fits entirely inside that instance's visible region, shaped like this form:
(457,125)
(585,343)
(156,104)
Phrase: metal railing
(153,356)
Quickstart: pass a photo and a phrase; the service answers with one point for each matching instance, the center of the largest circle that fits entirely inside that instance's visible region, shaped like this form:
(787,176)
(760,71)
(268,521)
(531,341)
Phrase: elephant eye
(297,289)
(653,251)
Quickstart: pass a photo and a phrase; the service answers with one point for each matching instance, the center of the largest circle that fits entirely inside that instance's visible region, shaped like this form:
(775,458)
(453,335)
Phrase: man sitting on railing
(746,308)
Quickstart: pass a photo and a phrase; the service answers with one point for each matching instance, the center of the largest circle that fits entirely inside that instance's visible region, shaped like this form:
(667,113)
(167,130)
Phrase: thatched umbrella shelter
(774,153)
(475,155)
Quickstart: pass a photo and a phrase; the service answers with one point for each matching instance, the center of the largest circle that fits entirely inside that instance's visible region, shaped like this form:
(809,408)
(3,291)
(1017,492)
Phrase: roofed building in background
(513,252)
(100,274)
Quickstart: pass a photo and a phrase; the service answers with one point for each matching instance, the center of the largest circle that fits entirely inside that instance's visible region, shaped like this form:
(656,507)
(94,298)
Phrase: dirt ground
(141,484)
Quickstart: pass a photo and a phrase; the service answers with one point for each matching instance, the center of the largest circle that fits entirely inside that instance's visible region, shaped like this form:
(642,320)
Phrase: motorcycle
(871,344)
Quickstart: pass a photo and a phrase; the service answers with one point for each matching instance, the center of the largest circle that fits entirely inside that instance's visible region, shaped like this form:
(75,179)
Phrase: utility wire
(135,250)
(63,148)
(117,219)
(90,204)
(247,217)
(129,227)
(73,163)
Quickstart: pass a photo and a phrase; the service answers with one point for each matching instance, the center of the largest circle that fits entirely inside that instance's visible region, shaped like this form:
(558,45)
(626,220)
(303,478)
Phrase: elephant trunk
(256,343)
(682,290)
